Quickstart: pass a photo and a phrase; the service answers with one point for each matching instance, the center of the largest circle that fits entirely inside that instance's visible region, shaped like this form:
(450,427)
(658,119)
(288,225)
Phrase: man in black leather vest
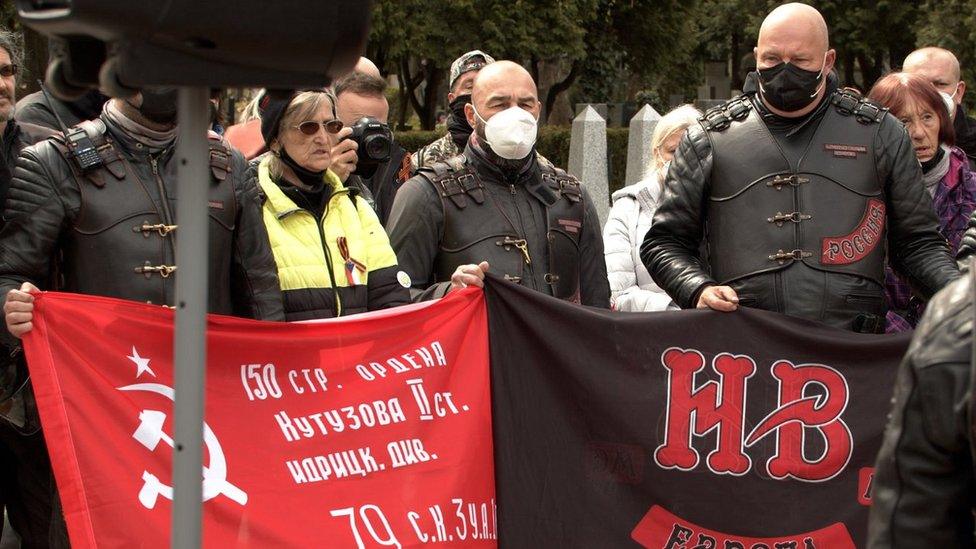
(801,193)
(499,203)
(924,483)
(110,230)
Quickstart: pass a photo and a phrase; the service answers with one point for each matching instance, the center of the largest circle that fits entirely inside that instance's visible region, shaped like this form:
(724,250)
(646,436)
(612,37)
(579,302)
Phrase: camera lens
(377,147)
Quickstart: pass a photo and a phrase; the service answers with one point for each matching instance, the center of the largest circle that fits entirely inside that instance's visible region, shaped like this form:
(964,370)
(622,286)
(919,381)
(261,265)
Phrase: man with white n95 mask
(500,206)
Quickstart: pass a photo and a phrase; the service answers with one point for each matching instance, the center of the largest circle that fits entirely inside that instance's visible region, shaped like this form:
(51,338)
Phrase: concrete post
(588,158)
(639,143)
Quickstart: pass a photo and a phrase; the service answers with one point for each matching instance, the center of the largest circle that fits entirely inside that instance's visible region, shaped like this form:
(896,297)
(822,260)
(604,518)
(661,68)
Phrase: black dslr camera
(375,145)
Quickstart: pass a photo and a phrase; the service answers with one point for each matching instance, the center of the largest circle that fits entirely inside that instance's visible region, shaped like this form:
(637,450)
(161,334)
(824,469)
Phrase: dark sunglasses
(7,71)
(311,127)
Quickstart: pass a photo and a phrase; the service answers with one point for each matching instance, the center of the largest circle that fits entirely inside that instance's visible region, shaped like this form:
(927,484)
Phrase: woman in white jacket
(633,208)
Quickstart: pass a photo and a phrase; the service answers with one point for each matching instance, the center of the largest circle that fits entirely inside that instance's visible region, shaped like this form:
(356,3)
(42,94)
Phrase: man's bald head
(923,57)
(499,86)
(365,66)
(796,22)
(940,67)
(797,34)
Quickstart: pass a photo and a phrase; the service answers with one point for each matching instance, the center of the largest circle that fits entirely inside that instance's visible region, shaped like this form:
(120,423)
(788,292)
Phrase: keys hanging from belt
(162,270)
(519,243)
(160,228)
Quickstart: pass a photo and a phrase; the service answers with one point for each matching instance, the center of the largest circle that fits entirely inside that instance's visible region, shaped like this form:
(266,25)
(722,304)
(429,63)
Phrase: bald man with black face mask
(802,192)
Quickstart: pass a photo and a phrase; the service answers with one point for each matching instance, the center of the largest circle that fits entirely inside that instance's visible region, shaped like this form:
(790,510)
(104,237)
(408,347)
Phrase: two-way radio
(81,148)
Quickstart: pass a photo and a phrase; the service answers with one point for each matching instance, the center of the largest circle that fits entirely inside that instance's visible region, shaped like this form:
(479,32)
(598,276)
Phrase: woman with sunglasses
(333,257)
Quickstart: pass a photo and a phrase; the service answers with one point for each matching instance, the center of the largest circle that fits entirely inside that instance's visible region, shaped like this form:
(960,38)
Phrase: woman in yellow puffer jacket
(333,256)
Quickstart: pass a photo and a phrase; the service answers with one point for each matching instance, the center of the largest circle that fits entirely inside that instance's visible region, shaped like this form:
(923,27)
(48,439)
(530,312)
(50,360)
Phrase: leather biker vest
(827,213)
(475,230)
(122,243)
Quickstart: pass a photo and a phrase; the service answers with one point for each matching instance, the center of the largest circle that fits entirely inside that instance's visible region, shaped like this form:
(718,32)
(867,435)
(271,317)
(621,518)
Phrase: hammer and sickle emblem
(150,433)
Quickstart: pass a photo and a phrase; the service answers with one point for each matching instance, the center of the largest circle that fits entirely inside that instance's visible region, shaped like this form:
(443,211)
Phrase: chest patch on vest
(845,151)
(570,225)
(855,246)
(216,204)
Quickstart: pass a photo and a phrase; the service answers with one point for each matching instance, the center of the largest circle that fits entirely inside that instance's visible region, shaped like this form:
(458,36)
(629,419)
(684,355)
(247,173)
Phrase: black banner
(680,430)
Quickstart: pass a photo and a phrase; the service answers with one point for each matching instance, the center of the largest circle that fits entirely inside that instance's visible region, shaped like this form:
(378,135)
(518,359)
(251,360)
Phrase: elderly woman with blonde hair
(633,208)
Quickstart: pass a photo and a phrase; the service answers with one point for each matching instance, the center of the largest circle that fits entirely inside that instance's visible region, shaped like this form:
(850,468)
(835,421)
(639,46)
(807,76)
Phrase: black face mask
(159,105)
(457,122)
(789,88)
(308,177)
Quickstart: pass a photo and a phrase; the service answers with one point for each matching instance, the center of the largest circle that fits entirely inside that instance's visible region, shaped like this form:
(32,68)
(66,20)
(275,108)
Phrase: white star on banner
(142,364)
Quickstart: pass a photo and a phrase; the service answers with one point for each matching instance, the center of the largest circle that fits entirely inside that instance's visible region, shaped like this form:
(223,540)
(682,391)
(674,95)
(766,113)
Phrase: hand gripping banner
(373,431)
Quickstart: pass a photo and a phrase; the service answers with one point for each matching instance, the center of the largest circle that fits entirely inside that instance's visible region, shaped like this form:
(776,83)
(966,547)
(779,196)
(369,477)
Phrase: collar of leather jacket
(528,175)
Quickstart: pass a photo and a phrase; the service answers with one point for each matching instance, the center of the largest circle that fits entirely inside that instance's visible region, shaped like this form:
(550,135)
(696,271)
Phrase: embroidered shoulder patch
(855,246)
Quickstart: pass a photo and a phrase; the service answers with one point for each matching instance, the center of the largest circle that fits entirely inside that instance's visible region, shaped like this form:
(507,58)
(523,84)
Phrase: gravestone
(639,143)
(588,158)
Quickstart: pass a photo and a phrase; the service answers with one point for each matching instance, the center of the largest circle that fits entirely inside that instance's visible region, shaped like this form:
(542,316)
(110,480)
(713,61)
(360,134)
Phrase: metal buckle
(792,180)
(463,179)
(717,120)
(867,112)
(782,256)
(160,228)
(738,109)
(451,187)
(795,217)
(551,278)
(162,270)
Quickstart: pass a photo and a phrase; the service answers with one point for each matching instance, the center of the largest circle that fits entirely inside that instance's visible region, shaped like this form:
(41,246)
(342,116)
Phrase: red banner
(370,431)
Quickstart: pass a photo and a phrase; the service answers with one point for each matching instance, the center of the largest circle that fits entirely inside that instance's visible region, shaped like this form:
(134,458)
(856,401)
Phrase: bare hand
(469,275)
(344,155)
(719,298)
(19,310)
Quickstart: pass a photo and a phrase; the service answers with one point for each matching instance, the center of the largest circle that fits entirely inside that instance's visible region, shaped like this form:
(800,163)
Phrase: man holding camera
(382,165)
(500,204)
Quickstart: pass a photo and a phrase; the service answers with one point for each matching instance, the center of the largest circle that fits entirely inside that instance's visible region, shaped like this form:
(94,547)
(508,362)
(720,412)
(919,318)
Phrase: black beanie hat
(271,108)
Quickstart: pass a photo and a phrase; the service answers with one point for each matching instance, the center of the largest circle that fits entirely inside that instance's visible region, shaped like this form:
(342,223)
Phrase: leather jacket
(500,217)
(16,137)
(801,286)
(111,231)
(924,489)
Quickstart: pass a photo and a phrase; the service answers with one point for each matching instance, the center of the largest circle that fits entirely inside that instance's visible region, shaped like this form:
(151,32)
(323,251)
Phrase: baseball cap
(474,60)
